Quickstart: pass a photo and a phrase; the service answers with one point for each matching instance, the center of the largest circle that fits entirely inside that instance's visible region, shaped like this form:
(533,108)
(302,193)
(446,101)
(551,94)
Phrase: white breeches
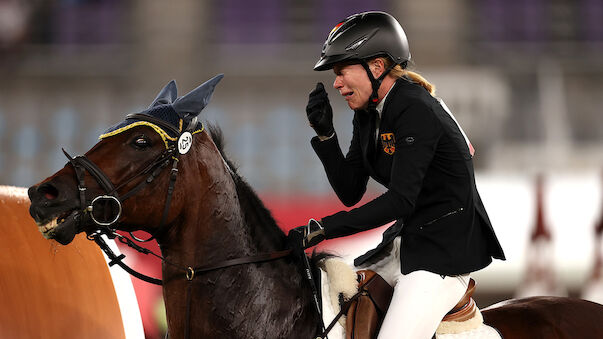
(421,299)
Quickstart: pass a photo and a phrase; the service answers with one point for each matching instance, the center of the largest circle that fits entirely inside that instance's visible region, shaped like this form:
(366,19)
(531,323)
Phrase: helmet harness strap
(376,83)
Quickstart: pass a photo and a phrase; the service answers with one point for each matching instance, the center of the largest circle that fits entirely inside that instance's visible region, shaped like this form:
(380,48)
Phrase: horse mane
(262,225)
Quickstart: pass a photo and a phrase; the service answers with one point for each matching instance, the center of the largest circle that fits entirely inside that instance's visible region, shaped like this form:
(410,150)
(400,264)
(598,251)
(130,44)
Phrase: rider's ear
(167,95)
(377,66)
(191,104)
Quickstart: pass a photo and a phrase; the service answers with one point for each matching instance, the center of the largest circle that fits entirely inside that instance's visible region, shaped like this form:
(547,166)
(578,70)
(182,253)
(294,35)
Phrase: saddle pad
(482,332)
(328,310)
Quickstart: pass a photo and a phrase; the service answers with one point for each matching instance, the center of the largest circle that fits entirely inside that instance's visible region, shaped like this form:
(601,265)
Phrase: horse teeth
(49,226)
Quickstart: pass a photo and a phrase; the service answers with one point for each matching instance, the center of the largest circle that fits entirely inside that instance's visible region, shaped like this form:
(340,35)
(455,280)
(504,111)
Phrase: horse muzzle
(56,211)
(64,229)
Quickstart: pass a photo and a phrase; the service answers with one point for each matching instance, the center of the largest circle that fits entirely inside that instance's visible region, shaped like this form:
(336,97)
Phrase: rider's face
(353,83)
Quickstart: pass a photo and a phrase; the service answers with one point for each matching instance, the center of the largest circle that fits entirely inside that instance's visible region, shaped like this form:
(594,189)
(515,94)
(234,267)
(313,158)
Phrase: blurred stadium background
(523,77)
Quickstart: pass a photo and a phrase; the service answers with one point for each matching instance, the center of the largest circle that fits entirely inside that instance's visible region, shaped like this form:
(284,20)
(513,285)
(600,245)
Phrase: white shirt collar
(381,103)
(379,109)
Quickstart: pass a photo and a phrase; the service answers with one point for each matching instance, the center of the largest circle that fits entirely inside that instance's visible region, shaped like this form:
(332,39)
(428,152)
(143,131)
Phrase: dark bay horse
(162,172)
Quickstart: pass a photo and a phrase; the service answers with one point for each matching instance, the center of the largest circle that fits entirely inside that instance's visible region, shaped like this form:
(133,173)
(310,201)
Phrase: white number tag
(185,142)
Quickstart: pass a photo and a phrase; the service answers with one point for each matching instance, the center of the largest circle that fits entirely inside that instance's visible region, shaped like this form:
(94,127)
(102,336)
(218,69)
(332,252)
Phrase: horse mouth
(62,228)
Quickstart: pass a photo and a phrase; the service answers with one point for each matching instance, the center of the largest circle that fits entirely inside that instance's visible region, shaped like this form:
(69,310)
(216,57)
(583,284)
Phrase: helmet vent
(356,43)
(340,30)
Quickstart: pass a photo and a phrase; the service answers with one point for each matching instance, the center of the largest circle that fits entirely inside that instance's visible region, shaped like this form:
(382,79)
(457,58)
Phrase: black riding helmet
(364,36)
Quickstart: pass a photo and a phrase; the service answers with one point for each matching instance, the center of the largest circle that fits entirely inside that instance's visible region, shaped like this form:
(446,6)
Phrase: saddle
(464,309)
(366,313)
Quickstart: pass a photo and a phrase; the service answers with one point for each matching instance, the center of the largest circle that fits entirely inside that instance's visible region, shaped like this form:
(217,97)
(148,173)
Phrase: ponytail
(399,72)
(418,78)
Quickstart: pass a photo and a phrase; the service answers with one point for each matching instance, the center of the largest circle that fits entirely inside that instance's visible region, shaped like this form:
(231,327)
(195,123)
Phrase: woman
(407,140)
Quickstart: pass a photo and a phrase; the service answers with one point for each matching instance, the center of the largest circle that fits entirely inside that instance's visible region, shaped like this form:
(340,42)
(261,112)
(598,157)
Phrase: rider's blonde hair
(398,72)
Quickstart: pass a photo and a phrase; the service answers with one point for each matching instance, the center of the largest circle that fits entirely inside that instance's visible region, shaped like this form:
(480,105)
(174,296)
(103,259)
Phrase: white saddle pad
(482,332)
(345,283)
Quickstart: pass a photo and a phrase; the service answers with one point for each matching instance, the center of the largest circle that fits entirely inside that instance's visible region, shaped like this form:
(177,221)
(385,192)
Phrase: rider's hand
(309,235)
(319,112)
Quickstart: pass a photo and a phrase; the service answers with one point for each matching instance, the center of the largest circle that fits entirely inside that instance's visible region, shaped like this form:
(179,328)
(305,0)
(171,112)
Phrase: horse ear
(192,103)
(167,95)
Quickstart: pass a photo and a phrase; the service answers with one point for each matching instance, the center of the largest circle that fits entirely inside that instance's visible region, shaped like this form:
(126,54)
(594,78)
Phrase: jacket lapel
(366,144)
(369,140)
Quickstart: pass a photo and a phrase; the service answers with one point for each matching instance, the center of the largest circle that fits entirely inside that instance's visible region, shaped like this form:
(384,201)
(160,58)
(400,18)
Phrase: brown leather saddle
(462,310)
(366,313)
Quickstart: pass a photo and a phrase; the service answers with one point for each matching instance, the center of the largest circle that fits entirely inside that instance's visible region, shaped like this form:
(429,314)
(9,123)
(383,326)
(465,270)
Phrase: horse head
(140,156)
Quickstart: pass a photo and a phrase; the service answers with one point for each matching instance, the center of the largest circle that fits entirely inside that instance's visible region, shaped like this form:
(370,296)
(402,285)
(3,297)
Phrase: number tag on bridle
(185,142)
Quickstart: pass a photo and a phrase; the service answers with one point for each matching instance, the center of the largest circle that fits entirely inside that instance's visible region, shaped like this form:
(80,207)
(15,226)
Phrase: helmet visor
(326,62)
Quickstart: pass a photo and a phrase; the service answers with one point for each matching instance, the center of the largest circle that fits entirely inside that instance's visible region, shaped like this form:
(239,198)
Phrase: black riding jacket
(421,156)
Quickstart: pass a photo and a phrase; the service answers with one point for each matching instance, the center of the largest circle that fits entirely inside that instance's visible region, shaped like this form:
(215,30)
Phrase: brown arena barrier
(48,290)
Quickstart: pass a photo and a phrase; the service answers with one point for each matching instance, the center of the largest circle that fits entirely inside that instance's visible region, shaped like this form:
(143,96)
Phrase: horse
(46,289)
(226,270)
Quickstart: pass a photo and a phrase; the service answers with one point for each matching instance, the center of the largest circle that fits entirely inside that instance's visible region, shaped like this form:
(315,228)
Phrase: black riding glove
(319,112)
(309,235)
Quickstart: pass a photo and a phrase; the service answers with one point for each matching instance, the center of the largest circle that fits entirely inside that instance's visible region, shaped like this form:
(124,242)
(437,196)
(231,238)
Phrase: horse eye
(141,142)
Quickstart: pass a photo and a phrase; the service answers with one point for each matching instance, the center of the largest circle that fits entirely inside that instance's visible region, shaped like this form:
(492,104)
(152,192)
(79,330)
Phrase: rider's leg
(421,299)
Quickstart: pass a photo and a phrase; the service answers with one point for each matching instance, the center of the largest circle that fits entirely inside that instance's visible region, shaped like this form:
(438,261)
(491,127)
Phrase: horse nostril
(48,191)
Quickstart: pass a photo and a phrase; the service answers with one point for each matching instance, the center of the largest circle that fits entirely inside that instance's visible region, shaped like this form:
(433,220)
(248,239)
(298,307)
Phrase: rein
(189,272)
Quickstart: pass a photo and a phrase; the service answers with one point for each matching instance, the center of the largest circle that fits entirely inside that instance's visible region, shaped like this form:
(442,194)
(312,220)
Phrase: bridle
(83,165)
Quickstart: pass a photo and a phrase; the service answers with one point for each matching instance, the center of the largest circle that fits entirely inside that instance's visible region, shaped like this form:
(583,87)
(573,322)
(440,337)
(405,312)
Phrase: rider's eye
(141,142)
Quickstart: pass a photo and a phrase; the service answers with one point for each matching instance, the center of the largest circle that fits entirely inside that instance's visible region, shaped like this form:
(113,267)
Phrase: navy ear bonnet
(179,114)
(165,113)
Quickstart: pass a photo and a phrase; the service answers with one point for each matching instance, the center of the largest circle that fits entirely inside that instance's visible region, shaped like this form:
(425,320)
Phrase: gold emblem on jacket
(388,142)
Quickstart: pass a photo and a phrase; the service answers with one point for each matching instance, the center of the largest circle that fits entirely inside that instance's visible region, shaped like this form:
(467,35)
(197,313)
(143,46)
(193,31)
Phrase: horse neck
(210,220)
(231,295)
